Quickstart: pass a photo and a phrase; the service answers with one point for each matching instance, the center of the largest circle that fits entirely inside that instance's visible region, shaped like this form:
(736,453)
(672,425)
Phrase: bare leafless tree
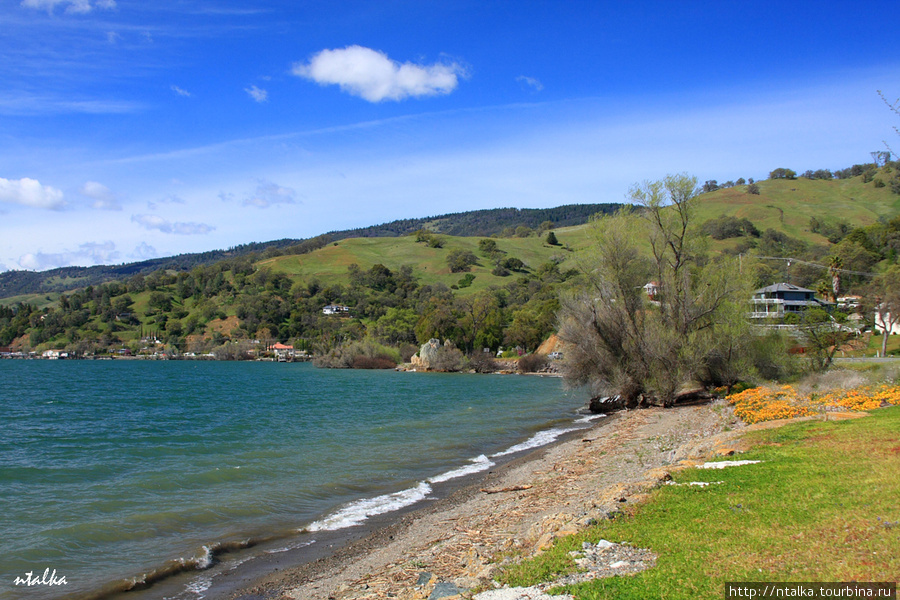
(894,108)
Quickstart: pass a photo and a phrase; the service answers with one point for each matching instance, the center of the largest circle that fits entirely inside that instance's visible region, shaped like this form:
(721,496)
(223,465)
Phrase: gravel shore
(450,548)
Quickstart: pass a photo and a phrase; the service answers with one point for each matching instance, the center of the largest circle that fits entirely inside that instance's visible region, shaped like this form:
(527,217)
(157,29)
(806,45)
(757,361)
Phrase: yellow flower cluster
(785,402)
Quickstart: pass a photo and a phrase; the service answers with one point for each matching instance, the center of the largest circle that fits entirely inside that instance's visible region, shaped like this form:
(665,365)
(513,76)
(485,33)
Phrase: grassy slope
(39,300)
(783,205)
(820,507)
(797,200)
(429,264)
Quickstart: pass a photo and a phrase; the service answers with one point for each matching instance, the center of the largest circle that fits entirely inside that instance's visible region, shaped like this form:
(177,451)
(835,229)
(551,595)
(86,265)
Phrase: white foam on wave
(590,418)
(478,464)
(541,438)
(290,547)
(205,560)
(199,585)
(356,512)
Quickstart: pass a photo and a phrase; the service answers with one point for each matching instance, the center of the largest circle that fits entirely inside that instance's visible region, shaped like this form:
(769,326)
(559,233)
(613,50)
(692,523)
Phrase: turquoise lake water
(110,470)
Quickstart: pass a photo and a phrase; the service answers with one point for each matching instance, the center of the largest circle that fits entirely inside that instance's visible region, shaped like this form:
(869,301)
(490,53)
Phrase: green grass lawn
(821,507)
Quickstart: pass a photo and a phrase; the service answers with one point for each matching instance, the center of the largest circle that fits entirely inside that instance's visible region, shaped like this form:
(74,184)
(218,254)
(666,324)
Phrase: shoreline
(231,564)
(517,507)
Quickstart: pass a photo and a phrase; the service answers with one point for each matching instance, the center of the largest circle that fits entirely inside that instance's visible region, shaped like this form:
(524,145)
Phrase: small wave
(203,560)
(290,547)
(199,585)
(478,464)
(590,418)
(541,438)
(356,512)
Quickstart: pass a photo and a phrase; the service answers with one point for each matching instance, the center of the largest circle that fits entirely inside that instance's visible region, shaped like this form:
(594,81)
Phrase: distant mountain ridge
(485,223)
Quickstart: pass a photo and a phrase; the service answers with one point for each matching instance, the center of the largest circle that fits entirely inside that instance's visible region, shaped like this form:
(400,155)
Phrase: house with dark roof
(780,299)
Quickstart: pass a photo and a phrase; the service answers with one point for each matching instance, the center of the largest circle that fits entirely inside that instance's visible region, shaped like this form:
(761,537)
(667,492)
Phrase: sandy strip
(550,493)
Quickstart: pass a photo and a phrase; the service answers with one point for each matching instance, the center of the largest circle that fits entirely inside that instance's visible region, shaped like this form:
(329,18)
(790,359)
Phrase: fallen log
(515,488)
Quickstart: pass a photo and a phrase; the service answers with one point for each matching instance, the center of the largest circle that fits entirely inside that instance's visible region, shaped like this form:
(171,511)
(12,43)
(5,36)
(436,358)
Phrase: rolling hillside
(44,287)
(329,264)
(788,205)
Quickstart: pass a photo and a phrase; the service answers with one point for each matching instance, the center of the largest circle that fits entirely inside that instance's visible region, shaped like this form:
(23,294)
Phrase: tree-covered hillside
(831,235)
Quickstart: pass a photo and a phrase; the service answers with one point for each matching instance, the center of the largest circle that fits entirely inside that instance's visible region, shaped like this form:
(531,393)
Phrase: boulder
(427,354)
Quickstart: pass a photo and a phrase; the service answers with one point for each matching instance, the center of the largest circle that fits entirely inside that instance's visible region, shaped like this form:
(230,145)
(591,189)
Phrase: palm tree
(834,268)
(823,289)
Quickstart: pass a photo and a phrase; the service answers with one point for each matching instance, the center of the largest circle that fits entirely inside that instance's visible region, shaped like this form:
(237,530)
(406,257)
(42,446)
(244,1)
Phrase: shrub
(482,362)
(358,355)
(466,281)
(753,189)
(460,261)
(725,227)
(513,264)
(448,358)
(782,173)
(532,363)
(487,245)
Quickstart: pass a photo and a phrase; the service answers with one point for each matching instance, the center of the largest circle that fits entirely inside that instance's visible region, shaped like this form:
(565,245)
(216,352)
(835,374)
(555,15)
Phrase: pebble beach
(452,547)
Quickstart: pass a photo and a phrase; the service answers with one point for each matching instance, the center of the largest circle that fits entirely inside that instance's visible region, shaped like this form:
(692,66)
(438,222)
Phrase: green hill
(17,286)
(330,263)
(400,287)
(788,205)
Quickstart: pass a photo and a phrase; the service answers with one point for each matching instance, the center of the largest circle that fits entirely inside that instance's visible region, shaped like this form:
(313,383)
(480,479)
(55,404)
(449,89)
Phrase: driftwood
(515,488)
(607,404)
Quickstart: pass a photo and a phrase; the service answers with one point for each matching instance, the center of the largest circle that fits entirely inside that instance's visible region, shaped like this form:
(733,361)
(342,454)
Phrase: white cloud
(257,94)
(71,6)
(531,82)
(112,37)
(103,197)
(170,199)
(97,253)
(143,252)
(164,225)
(375,77)
(180,91)
(267,194)
(30,192)
(27,104)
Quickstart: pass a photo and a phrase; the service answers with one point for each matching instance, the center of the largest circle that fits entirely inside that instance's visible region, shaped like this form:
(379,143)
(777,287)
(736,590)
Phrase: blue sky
(132,130)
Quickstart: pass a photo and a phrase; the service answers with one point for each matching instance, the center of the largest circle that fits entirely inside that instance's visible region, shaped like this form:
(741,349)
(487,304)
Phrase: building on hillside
(780,299)
(335,309)
(652,289)
(283,352)
(849,304)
